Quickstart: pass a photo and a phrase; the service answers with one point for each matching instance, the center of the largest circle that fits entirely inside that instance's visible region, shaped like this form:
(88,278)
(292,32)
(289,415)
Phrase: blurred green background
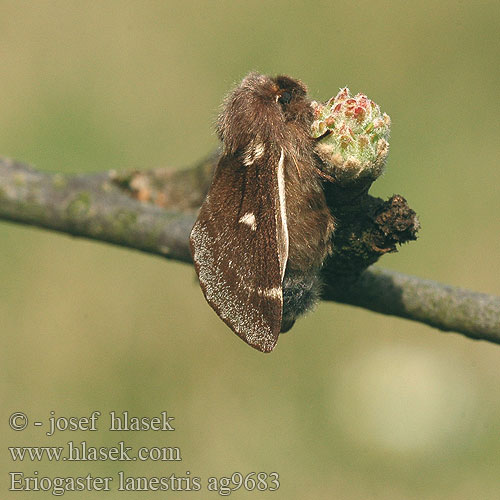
(351,405)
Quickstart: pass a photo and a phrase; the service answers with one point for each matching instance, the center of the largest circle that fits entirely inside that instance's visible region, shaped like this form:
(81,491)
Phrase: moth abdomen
(301,292)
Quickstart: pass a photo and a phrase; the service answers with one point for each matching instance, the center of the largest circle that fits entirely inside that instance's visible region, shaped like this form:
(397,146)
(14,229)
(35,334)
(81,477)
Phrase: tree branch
(91,206)
(154,211)
(475,315)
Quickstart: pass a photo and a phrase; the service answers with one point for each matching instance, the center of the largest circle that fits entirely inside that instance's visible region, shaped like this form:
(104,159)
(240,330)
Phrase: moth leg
(323,135)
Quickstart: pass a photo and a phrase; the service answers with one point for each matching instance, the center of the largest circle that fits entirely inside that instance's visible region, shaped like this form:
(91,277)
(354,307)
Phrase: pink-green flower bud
(353,136)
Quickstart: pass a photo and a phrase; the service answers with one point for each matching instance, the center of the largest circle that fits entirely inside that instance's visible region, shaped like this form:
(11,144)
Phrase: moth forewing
(240,245)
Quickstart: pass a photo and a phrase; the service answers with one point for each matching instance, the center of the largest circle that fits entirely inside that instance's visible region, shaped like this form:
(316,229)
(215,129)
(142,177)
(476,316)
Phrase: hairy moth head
(271,110)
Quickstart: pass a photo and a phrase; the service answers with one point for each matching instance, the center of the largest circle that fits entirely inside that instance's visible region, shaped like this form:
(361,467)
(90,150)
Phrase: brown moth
(264,229)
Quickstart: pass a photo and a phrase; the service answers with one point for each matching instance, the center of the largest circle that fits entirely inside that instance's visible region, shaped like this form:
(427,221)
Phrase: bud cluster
(352,133)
